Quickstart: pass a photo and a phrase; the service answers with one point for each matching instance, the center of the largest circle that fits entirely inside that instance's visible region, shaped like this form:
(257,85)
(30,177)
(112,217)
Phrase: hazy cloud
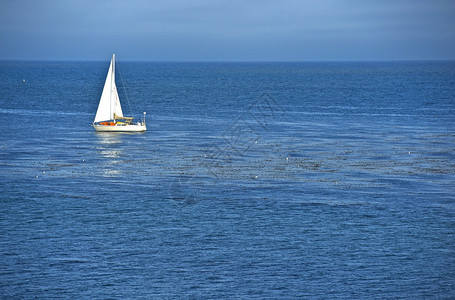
(228,30)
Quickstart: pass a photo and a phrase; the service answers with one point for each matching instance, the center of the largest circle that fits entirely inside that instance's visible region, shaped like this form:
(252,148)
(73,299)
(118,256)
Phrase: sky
(227,30)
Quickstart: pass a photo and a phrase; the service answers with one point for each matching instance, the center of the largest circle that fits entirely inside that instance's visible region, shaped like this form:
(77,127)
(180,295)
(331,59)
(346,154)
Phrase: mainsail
(109,106)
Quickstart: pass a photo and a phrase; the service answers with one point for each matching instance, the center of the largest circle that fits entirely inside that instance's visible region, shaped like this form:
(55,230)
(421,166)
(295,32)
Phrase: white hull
(120,128)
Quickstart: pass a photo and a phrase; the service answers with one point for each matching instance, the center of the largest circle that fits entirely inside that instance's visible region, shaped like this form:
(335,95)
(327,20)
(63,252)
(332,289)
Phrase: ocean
(318,180)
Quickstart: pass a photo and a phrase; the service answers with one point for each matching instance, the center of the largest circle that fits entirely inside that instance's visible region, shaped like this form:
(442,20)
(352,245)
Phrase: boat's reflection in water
(110,150)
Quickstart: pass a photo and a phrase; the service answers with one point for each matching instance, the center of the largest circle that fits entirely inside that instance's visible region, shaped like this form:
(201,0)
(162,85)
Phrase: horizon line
(232,61)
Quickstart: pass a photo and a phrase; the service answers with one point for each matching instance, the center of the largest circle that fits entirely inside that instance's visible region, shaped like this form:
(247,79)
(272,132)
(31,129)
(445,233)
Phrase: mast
(112,86)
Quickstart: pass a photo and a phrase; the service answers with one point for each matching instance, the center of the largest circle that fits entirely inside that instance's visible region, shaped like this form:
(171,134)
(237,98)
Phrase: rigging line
(124,88)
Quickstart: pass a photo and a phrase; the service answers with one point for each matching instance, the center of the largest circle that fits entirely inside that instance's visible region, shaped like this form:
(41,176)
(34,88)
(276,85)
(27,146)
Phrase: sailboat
(109,116)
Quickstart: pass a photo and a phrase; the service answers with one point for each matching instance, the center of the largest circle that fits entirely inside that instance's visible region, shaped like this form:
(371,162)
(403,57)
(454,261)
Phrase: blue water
(254,180)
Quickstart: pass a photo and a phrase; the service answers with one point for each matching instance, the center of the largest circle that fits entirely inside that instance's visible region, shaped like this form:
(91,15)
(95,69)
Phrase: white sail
(117,107)
(109,102)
